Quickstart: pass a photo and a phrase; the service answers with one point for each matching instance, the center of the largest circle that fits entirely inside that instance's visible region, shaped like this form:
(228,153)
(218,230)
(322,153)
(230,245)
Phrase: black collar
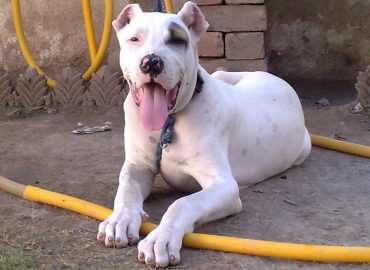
(199,84)
(167,132)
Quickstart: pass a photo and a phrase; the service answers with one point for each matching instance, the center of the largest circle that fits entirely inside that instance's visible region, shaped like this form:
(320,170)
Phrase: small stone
(323,102)
(290,202)
(357,108)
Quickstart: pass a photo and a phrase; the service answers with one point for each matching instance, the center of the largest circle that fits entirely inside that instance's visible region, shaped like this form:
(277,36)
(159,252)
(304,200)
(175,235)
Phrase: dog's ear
(126,15)
(193,18)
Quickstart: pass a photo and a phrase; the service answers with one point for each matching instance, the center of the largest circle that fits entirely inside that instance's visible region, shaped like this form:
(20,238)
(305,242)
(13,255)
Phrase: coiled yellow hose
(96,55)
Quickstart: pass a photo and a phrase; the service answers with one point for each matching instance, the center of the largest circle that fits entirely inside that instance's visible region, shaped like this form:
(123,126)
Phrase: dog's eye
(177,41)
(134,39)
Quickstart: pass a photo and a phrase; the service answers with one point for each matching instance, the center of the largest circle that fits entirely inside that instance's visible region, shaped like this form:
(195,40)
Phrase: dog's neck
(167,132)
(187,94)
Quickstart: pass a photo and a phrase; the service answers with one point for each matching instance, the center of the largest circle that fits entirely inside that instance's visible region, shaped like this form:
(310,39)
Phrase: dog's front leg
(122,226)
(162,246)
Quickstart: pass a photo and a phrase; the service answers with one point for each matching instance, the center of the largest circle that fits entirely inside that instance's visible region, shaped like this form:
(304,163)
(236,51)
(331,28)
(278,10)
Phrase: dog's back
(268,130)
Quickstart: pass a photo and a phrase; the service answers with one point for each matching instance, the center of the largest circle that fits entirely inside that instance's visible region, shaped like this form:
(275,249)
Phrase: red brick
(232,18)
(244,2)
(208,2)
(245,45)
(178,4)
(211,45)
(212,64)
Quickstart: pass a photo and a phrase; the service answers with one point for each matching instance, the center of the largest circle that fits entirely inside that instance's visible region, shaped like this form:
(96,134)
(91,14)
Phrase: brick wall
(235,38)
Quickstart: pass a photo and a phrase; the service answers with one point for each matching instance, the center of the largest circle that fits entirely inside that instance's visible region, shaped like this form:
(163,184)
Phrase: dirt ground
(324,201)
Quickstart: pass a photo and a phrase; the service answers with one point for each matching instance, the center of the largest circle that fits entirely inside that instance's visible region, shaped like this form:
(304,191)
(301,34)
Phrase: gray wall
(327,39)
(305,39)
(54,31)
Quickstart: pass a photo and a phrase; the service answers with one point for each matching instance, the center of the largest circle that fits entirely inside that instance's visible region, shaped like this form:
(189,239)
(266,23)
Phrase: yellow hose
(202,241)
(107,27)
(169,6)
(340,146)
(23,43)
(11,186)
(99,56)
(89,28)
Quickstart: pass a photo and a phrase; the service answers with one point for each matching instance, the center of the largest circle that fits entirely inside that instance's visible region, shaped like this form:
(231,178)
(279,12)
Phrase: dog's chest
(175,165)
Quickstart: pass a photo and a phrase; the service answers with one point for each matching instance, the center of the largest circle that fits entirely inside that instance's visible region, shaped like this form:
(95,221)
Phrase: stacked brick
(235,37)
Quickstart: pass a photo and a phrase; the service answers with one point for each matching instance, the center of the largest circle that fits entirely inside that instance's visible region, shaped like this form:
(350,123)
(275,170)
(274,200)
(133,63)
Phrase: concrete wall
(55,34)
(327,39)
(306,39)
(54,31)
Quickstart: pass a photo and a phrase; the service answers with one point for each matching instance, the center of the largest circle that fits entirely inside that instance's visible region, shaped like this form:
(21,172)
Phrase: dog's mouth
(154,103)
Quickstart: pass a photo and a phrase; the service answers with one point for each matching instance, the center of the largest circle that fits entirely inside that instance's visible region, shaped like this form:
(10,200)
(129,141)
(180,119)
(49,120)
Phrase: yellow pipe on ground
(317,253)
(98,58)
(340,146)
(11,186)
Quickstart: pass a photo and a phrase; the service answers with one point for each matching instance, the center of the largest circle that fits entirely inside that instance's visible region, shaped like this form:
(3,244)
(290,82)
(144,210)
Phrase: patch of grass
(13,257)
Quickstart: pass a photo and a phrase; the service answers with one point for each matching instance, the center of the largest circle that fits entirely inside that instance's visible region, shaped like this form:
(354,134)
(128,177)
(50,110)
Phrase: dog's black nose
(152,64)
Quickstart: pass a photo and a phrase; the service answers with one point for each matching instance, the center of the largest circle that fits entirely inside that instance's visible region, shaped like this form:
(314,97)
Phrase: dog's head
(159,59)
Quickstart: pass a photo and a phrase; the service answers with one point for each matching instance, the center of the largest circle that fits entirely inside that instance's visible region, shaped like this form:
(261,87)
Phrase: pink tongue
(153,107)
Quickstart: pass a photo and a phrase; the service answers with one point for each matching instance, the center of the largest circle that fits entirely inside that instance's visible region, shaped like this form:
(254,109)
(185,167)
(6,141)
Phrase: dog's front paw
(121,228)
(161,247)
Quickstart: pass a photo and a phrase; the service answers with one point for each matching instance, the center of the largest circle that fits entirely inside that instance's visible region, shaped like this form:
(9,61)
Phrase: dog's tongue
(153,107)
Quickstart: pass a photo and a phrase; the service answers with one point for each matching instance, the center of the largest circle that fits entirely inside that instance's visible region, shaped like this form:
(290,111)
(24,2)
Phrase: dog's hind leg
(306,149)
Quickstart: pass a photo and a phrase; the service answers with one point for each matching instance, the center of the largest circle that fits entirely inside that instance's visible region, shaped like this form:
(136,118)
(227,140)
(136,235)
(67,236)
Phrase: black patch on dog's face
(177,35)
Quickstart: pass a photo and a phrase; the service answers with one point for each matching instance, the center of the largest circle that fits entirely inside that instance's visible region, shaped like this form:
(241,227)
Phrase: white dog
(240,129)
